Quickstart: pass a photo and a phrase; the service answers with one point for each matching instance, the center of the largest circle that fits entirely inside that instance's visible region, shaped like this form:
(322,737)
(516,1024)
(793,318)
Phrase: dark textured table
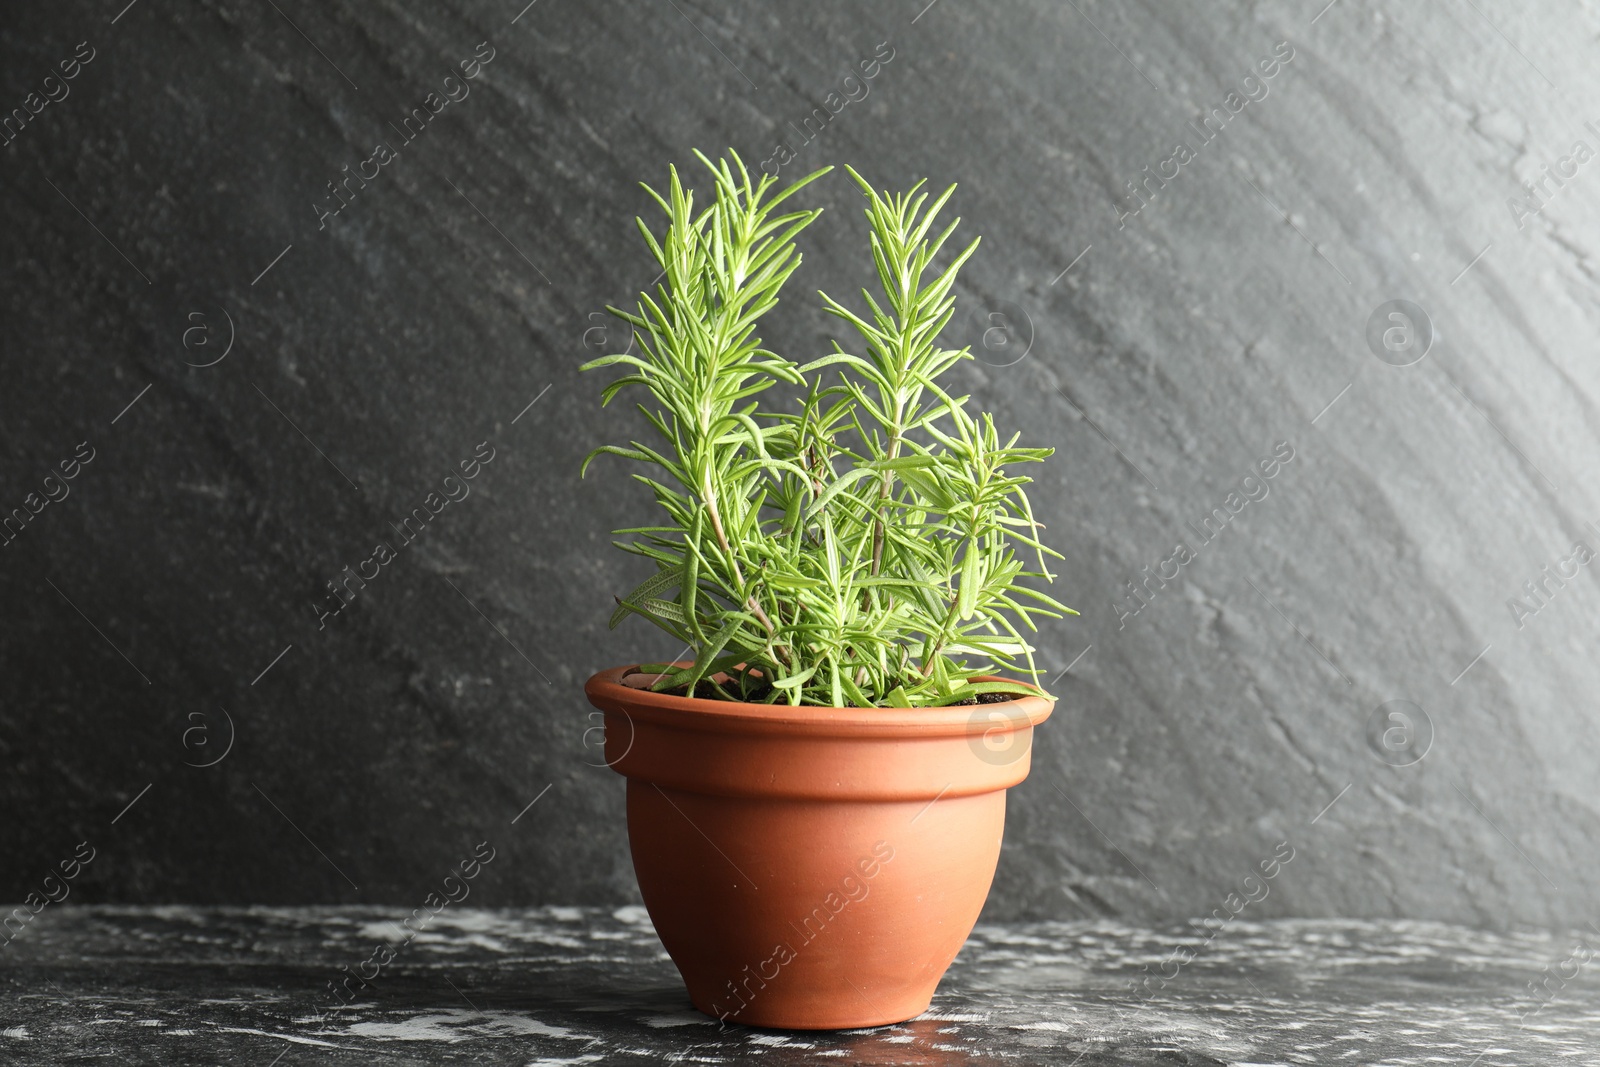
(178,985)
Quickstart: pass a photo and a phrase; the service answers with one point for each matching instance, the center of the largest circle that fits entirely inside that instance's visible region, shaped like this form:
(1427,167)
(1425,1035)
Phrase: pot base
(805,914)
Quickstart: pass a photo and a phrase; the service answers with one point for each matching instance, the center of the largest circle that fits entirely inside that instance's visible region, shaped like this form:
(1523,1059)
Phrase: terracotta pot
(813,868)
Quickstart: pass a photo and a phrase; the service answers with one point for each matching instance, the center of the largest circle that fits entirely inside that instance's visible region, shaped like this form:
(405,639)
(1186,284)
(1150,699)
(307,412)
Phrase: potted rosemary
(815,807)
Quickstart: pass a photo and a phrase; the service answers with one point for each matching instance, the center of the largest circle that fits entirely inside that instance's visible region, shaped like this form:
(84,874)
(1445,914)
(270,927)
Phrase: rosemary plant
(860,548)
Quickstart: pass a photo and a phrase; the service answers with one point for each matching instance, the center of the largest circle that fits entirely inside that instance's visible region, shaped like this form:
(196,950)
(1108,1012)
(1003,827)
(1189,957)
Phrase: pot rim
(606,691)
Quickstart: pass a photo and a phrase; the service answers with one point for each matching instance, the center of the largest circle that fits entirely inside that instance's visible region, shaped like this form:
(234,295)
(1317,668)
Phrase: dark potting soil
(707,690)
(987,698)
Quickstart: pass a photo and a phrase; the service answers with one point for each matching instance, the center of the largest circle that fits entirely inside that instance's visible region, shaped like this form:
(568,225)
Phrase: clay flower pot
(813,868)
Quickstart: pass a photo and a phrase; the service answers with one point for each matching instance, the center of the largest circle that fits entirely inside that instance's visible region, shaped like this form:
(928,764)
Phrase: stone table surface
(182,985)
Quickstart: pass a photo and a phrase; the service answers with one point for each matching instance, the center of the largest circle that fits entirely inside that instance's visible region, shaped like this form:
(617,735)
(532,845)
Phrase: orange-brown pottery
(813,868)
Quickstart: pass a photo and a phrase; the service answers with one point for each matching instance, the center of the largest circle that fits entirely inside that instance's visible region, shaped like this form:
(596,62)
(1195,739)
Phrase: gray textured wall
(1186,341)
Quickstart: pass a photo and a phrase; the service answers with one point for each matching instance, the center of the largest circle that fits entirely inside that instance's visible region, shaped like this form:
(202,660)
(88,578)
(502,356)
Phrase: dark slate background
(1183,344)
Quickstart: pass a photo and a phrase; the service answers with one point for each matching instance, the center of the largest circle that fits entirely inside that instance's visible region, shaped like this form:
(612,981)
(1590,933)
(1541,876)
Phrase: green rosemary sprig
(861,551)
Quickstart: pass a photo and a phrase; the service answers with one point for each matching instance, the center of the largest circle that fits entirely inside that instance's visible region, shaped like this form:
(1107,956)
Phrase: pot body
(813,868)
